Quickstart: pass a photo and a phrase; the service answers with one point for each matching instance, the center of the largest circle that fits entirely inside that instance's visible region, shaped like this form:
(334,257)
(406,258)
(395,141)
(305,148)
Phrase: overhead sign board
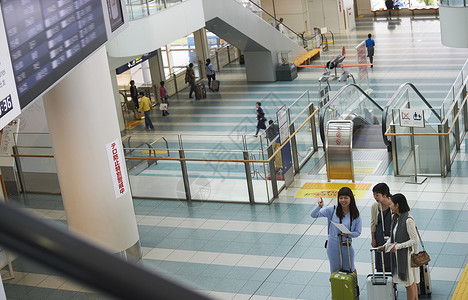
(42,40)
(411,117)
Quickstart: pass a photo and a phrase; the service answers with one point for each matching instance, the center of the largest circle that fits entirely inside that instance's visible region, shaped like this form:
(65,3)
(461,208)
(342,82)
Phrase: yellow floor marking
(366,167)
(461,292)
(330,189)
(133,124)
(157,151)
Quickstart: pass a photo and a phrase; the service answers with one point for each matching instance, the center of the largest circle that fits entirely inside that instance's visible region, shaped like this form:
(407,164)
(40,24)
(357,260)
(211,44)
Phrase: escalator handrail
(55,247)
(277,21)
(394,97)
(325,107)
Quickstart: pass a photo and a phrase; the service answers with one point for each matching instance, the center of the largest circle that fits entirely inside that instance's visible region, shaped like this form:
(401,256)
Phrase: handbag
(420,258)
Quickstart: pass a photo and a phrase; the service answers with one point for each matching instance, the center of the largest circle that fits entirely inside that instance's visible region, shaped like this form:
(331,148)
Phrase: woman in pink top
(163,95)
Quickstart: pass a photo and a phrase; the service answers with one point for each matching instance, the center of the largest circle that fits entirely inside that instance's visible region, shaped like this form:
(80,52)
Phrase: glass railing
(270,19)
(138,9)
(445,126)
(456,3)
(407,96)
(350,101)
(220,58)
(238,167)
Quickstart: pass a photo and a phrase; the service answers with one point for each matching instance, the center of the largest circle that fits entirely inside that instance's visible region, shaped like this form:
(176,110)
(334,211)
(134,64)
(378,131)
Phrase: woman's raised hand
(320,202)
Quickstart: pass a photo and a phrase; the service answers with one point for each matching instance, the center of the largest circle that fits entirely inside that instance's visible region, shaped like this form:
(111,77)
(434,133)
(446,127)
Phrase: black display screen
(47,38)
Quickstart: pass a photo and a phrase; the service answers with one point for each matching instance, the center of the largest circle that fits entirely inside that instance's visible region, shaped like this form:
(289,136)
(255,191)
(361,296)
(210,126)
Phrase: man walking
(190,79)
(145,105)
(370,49)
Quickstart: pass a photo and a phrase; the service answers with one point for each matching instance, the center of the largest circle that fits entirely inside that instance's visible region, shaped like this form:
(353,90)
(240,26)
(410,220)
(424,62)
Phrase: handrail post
(248,176)
(185,178)
(443,164)
(20,170)
(217,59)
(274,183)
(147,7)
(396,170)
(175,82)
(229,55)
(313,129)
(447,146)
(294,149)
(457,128)
(465,110)
(165,3)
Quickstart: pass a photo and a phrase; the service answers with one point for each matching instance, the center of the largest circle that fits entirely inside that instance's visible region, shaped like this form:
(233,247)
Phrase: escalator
(352,103)
(370,155)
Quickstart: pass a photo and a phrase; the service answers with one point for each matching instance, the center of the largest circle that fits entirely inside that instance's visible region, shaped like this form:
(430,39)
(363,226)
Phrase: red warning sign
(338,141)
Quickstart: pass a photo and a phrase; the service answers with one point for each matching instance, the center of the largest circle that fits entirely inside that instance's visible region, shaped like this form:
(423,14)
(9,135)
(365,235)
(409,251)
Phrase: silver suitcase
(380,286)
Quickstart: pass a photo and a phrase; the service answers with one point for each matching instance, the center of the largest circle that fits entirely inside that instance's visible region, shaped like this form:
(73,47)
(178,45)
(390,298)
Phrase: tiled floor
(239,251)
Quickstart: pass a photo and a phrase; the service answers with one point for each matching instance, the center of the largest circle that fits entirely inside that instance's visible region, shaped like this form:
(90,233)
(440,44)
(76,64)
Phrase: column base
(132,253)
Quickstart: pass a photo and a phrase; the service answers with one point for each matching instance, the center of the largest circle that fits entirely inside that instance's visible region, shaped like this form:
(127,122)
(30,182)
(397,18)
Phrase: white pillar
(82,121)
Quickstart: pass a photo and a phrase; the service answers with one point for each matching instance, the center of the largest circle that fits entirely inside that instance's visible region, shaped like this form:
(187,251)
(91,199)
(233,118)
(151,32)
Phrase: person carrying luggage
(190,79)
(381,219)
(210,72)
(346,213)
(402,243)
(163,95)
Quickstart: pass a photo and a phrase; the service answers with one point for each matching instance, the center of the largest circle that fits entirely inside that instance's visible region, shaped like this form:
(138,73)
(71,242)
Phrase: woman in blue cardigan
(346,213)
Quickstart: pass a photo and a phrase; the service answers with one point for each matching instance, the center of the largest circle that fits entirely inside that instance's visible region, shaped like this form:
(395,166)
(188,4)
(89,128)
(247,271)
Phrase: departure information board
(47,38)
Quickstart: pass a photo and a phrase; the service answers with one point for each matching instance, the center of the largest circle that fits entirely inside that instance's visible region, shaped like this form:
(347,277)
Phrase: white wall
(324,13)
(292,12)
(364,7)
(158,30)
(332,14)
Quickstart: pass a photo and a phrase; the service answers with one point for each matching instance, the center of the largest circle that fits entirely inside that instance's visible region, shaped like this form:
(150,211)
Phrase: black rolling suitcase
(215,85)
(200,91)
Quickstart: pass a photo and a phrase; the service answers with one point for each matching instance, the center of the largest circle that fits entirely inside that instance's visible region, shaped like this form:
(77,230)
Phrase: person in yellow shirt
(145,105)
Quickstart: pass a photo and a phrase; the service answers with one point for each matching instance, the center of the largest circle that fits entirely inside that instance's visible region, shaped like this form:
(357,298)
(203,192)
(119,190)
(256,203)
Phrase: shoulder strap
(422,244)
(329,220)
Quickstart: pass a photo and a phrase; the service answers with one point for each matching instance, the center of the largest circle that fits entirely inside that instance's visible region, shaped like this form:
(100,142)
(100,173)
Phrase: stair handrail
(277,22)
(393,99)
(325,107)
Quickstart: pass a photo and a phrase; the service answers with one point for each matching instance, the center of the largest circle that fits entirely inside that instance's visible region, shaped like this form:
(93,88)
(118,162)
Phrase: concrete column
(156,67)
(201,47)
(260,66)
(83,125)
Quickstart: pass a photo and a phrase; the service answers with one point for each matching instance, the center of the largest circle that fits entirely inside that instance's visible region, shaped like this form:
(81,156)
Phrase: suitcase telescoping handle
(341,256)
(372,260)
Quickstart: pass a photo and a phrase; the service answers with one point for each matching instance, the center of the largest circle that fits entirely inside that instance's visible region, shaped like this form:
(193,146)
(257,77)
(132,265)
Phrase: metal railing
(395,101)
(223,56)
(445,126)
(138,9)
(251,165)
(267,17)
